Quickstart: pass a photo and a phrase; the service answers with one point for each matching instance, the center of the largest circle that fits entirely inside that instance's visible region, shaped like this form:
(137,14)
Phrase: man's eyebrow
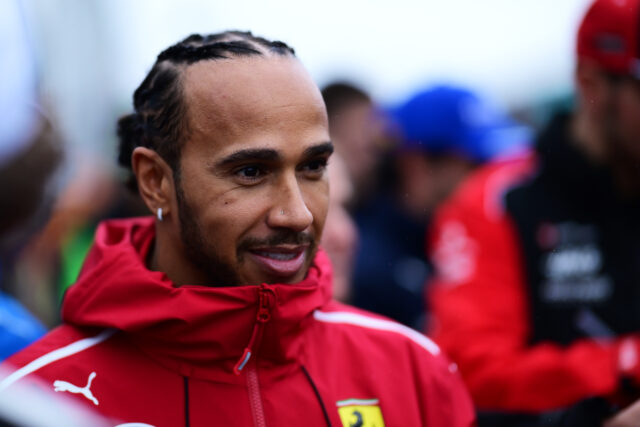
(270,154)
(318,150)
(249,154)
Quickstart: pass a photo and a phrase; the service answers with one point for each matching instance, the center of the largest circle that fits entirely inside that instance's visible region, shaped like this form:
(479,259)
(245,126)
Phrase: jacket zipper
(254,396)
(253,386)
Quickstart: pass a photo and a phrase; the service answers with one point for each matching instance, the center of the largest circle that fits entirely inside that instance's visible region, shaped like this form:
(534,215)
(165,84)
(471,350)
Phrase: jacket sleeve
(480,318)
(445,400)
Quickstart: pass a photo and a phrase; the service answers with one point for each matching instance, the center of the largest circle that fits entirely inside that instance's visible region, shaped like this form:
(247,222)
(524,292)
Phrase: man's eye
(251,172)
(318,165)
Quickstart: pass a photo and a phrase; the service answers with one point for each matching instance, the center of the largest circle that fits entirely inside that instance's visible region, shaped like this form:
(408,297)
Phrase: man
(218,311)
(26,144)
(30,156)
(340,236)
(538,260)
(356,128)
(444,132)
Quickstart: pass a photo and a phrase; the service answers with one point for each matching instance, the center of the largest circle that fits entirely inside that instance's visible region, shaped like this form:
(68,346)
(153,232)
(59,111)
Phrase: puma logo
(85,391)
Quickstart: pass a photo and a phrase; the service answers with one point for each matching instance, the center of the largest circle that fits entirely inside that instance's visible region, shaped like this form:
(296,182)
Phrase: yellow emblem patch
(360,413)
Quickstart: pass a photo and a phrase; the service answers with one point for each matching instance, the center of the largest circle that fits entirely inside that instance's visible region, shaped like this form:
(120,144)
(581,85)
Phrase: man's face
(623,126)
(358,133)
(252,191)
(340,234)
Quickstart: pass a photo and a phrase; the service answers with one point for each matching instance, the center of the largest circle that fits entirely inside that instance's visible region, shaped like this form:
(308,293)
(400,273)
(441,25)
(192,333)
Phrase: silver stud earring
(159,214)
(281,211)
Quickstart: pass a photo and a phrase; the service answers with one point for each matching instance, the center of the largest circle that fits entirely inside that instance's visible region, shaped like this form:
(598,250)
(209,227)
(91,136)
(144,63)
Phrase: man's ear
(155,179)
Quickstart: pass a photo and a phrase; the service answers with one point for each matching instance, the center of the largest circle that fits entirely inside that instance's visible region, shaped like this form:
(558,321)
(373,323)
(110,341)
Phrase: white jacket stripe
(61,353)
(348,318)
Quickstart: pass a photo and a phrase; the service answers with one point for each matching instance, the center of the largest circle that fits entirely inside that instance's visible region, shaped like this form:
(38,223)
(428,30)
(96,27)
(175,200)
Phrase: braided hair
(158,121)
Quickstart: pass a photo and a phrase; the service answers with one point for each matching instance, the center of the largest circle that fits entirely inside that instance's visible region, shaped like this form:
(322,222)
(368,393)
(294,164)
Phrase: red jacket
(138,349)
(481,306)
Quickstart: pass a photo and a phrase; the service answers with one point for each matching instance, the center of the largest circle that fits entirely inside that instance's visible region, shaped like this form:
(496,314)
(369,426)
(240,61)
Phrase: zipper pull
(262,316)
(264,309)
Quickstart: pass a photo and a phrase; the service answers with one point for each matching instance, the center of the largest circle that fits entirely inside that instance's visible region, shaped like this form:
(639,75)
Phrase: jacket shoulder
(356,322)
(57,349)
(389,359)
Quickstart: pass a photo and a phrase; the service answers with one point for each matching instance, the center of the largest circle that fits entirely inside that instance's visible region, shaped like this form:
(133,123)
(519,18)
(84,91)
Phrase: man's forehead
(255,102)
(248,83)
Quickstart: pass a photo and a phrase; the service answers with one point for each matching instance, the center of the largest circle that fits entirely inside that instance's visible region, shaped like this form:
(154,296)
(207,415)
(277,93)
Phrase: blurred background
(93,54)
(90,56)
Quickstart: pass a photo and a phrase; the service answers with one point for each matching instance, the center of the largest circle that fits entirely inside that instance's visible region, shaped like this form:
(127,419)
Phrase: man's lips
(281,261)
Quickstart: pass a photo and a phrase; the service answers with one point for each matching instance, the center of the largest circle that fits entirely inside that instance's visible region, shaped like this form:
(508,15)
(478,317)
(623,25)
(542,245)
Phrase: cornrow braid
(158,121)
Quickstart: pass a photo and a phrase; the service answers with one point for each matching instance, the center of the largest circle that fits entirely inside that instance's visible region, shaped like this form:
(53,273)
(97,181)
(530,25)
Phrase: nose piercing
(281,211)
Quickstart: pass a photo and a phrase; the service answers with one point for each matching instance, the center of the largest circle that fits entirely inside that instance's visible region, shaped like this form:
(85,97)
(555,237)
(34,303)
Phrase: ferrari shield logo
(360,413)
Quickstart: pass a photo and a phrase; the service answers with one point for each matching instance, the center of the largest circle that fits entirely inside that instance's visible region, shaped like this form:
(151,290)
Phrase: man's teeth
(278,255)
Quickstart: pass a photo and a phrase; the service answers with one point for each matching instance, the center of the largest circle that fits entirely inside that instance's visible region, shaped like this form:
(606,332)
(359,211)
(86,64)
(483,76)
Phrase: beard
(204,254)
(197,249)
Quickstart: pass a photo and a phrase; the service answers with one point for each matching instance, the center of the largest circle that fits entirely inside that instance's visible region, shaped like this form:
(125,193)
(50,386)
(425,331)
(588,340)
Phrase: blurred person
(29,157)
(356,127)
(37,267)
(536,294)
(24,204)
(94,193)
(443,133)
(52,259)
(340,235)
(217,310)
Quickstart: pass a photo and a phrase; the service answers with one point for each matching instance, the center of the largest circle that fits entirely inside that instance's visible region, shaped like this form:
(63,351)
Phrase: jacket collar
(196,330)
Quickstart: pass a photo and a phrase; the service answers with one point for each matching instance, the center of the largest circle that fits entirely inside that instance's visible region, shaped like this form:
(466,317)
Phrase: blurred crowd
(511,240)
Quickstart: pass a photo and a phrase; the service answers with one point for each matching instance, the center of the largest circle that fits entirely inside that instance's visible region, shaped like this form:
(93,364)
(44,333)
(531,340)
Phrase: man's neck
(167,256)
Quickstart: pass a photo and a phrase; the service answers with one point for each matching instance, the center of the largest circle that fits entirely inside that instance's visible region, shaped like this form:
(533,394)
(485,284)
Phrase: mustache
(284,237)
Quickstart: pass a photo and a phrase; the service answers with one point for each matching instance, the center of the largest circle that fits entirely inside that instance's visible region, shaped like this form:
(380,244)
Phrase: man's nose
(289,209)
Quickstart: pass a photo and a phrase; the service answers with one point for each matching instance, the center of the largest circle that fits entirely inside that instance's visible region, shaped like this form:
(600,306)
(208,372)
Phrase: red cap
(610,36)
